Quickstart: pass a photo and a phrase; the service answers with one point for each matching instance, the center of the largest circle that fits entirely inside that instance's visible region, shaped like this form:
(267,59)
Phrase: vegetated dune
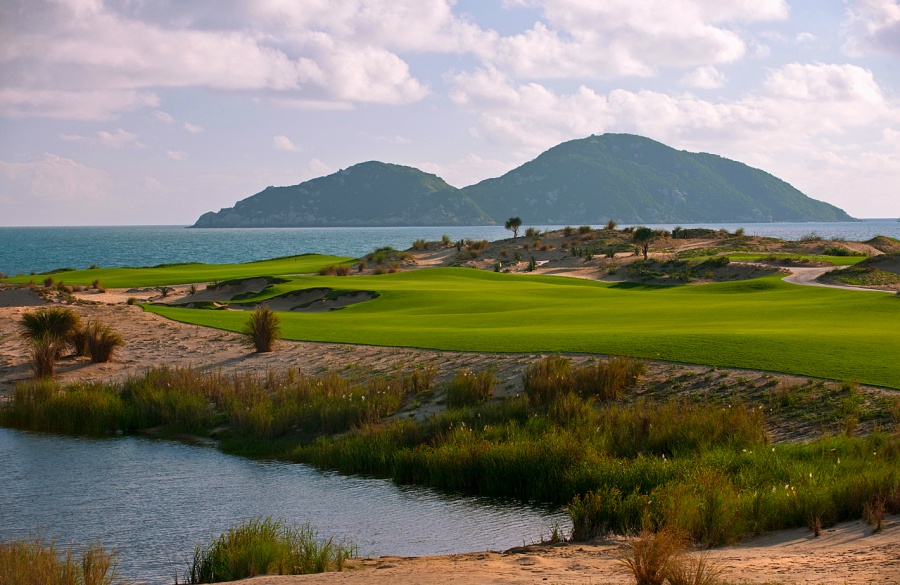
(226,291)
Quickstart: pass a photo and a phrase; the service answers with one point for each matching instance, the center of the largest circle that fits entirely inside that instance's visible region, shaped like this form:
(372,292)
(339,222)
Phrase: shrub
(328,270)
(48,282)
(43,355)
(568,230)
(611,225)
(95,284)
(445,240)
(650,557)
(608,379)
(468,388)
(342,270)
(193,289)
(362,265)
(131,301)
(584,229)
(59,323)
(265,546)
(38,561)
(101,341)
(262,329)
(420,245)
(532,232)
(698,570)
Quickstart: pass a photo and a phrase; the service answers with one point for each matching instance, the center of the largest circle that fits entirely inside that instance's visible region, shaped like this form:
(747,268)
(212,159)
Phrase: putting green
(759,324)
(168,274)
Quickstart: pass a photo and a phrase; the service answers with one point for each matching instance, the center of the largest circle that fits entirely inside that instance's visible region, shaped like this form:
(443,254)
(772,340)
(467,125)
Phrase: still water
(154,501)
(40,249)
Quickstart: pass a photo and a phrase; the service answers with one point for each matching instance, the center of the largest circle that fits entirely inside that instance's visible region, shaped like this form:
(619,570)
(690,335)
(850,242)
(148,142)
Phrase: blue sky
(155,111)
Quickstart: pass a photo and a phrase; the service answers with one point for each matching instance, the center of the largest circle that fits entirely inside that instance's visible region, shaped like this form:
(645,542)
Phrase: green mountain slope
(637,180)
(366,194)
(627,178)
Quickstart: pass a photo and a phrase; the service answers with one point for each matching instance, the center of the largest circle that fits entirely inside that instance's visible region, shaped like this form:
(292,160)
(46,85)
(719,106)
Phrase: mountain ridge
(624,177)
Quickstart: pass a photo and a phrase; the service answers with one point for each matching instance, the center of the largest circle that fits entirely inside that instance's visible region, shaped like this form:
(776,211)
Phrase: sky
(152,112)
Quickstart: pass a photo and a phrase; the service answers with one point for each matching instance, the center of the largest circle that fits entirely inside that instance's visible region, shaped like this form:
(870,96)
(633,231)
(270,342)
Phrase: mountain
(628,178)
(633,179)
(366,194)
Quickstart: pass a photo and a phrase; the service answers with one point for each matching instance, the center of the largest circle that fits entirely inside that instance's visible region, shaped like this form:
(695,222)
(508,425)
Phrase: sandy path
(846,554)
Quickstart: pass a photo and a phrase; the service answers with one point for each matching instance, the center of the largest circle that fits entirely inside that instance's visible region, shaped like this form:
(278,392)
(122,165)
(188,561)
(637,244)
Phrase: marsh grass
(262,328)
(38,561)
(469,388)
(263,546)
(553,376)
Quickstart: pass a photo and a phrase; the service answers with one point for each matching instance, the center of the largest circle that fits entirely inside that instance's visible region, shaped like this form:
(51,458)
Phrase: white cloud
(100,105)
(163,117)
(52,179)
(704,78)
(804,38)
(585,38)
(118,139)
(281,142)
(872,25)
(176,154)
(193,128)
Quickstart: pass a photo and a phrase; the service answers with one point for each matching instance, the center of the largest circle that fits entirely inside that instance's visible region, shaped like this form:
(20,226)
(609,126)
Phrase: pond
(155,500)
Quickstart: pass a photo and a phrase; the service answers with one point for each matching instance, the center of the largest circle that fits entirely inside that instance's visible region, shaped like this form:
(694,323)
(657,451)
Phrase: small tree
(513,224)
(642,236)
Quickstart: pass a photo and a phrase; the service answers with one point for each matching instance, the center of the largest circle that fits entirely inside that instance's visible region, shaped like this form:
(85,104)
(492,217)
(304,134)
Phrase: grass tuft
(43,355)
(262,328)
(101,342)
(263,546)
(651,557)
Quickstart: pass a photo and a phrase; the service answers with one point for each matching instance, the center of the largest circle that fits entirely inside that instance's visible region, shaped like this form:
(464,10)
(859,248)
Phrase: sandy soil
(849,553)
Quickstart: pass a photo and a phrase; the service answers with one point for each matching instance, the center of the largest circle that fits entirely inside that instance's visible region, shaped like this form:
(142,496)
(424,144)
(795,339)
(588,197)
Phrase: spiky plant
(43,355)
(56,322)
(262,329)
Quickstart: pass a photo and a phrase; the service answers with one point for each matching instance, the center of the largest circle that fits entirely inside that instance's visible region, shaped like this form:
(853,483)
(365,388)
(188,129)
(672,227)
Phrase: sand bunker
(310,300)
(20,297)
(227,291)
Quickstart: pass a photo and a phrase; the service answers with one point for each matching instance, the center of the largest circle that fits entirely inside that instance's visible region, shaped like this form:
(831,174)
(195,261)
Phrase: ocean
(25,250)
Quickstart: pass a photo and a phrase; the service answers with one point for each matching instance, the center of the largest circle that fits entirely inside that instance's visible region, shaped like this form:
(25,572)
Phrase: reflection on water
(156,500)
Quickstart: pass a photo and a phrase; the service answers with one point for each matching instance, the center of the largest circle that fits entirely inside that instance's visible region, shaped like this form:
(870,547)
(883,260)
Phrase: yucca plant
(262,329)
(101,341)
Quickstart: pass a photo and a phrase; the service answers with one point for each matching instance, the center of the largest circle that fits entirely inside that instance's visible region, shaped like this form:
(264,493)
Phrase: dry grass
(40,563)
(43,355)
(101,342)
(652,556)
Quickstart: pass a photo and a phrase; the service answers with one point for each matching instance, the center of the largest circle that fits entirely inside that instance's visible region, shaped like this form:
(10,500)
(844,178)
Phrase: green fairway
(758,257)
(760,324)
(168,274)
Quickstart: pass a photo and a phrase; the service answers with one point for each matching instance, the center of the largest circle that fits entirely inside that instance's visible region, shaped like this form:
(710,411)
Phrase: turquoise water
(40,249)
(154,501)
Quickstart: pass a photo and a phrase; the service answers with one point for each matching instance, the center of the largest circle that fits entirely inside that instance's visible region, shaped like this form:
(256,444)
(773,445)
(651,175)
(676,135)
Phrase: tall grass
(262,328)
(553,376)
(40,562)
(650,557)
(262,546)
(469,388)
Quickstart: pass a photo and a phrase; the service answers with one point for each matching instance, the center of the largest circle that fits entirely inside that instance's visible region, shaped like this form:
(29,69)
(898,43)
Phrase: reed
(468,388)
(39,561)
(263,546)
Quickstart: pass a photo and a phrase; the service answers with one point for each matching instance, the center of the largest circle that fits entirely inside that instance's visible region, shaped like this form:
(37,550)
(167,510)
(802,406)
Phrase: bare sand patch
(846,554)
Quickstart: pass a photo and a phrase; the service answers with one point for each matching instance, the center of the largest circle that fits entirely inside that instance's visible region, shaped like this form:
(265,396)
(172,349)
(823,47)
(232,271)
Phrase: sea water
(24,250)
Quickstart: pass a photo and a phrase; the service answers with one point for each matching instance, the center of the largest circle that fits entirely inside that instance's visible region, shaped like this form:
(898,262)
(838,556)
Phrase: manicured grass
(762,324)
(189,273)
(760,257)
